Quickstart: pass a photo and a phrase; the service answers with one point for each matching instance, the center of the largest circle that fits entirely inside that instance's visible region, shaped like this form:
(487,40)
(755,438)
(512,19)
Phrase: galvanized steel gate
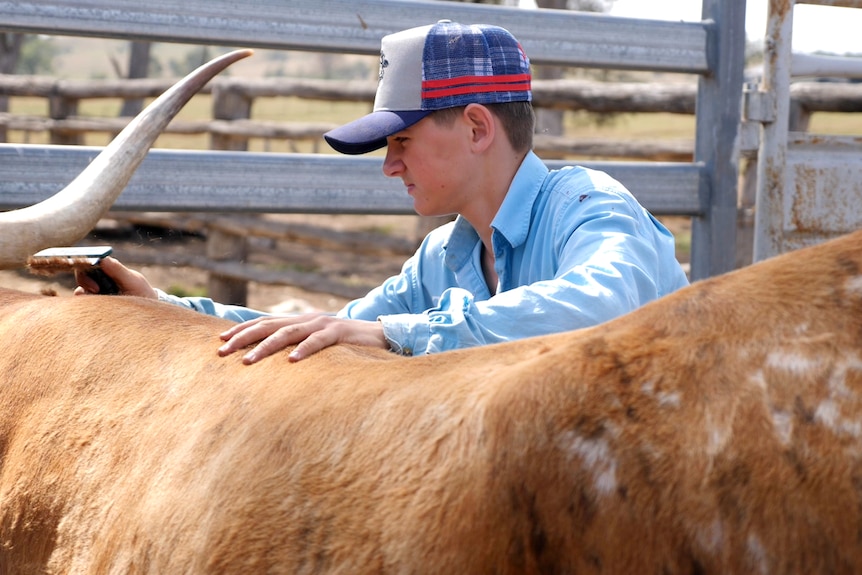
(809,187)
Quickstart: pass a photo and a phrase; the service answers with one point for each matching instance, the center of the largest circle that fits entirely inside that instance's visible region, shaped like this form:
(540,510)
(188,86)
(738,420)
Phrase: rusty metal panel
(838,3)
(809,187)
(824,185)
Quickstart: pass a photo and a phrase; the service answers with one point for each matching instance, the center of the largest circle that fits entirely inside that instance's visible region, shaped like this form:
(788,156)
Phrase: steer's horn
(71,213)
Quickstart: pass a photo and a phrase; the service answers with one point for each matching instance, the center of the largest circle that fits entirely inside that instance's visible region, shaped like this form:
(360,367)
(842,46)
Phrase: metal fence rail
(286,183)
(548,36)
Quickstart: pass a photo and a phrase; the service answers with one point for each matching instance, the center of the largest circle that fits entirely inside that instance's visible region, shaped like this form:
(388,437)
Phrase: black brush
(52,261)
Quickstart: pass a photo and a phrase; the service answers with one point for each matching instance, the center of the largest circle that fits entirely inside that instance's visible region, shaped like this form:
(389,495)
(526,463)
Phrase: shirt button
(407,351)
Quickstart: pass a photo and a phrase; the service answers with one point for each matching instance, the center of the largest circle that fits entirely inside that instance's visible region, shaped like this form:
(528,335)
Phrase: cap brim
(369,133)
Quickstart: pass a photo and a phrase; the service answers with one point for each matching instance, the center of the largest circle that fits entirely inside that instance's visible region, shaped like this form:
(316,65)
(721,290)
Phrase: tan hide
(69,215)
(717,430)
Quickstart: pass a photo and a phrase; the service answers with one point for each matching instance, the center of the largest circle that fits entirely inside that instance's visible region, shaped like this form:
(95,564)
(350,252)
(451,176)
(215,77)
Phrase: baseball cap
(429,68)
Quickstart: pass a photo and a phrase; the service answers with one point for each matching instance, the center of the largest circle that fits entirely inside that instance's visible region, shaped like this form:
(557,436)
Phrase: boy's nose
(392,164)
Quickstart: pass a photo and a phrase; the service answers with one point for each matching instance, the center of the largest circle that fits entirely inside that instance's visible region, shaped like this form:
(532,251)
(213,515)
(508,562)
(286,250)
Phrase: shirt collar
(512,220)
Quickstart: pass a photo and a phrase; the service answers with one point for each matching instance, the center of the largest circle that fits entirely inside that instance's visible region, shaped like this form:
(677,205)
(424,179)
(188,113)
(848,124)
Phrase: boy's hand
(129,282)
(309,332)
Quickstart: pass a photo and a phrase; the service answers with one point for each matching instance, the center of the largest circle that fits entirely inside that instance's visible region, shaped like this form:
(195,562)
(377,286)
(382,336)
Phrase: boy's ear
(480,120)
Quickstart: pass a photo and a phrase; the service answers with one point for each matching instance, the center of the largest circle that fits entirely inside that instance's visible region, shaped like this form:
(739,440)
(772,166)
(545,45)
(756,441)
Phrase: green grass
(184,291)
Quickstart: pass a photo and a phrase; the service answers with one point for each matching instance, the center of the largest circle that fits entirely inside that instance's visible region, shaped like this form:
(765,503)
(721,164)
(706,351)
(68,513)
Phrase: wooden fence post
(224,246)
(228,103)
(60,108)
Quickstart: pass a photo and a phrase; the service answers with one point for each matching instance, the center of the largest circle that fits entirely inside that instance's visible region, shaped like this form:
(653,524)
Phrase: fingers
(304,334)
(247,333)
(273,333)
(86,285)
(241,327)
(310,334)
(315,342)
(253,330)
(128,281)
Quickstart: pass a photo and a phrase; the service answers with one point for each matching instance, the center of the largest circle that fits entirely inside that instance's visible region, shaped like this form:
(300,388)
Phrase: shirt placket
(501,262)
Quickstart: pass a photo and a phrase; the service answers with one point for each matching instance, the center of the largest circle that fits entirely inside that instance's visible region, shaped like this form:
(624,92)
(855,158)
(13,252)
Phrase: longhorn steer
(717,430)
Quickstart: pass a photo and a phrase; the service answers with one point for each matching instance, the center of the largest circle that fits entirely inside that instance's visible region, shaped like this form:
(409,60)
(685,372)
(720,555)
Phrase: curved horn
(71,213)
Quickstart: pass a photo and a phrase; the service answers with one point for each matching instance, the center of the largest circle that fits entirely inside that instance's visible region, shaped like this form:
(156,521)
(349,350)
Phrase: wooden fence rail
(591,96)
(235,98)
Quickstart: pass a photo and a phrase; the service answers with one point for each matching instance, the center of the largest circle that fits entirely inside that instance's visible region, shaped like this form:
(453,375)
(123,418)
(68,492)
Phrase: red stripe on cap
(473,89)
(501,79)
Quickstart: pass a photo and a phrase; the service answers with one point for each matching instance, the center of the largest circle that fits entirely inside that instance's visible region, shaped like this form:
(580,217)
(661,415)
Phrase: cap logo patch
(384,63)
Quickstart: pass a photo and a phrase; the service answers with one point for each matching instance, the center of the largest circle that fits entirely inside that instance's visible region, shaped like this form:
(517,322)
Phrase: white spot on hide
(783,423)
(828,414)
(669,399)
(711,537)
(792,362)
(598,460)
(664,398)
(719,429)
(854,284)
(757,555)
(756,379)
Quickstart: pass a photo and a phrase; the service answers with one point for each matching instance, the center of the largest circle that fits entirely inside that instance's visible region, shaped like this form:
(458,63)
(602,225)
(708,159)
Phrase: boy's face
(434,162)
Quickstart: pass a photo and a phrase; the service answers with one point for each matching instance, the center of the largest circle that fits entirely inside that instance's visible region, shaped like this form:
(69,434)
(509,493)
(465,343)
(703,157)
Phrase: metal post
(718,118)
(771,160)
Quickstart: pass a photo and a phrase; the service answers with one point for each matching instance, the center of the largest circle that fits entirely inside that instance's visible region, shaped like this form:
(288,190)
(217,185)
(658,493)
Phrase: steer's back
(129,446)
(717,431)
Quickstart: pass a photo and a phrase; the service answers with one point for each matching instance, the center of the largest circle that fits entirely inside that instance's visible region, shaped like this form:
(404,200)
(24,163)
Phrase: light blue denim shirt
(573,248)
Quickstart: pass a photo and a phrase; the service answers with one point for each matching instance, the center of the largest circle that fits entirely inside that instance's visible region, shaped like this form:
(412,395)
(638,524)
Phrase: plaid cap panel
(485,65)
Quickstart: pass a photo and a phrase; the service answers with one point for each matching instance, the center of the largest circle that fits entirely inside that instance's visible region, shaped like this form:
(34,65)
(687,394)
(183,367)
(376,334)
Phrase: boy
(531,251)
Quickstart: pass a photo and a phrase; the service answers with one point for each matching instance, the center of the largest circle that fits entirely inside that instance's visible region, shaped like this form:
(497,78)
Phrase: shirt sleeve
(209,307)
(409,291)
(608,265)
